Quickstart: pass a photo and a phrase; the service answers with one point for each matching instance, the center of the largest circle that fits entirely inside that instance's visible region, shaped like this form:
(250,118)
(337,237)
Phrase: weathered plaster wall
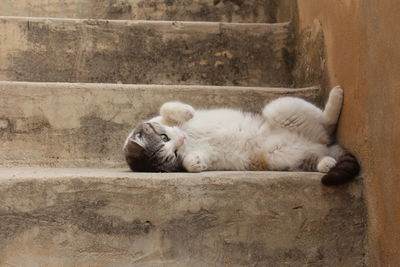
(362,41)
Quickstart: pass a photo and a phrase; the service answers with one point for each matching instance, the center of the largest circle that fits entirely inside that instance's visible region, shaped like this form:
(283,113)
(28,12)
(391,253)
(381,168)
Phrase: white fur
(326,164)
(289,133)
(333,108)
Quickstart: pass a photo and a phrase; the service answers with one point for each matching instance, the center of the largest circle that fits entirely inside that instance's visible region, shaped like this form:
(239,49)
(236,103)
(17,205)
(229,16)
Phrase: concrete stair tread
(161,52)
(84,125)
(65,217)
(203,10)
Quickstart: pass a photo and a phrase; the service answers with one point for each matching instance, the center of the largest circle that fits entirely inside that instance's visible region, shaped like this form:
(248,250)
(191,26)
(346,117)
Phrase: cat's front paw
(193,163)
(176,112)
(326,164)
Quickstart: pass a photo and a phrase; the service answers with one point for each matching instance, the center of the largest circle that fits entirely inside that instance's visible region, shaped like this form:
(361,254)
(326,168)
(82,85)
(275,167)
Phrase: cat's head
(152,147)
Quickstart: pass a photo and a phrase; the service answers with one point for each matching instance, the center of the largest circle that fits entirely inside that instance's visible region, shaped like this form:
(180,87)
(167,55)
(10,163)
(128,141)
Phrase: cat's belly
(239,155)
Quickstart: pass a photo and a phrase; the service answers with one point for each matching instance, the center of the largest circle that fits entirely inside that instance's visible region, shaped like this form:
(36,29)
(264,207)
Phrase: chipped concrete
(131,52)
(117,218)
(29,124)
(187,10)
(4,124)
(62,124)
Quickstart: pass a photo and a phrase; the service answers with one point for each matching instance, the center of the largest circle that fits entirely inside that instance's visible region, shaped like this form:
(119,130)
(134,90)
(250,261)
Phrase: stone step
(145,52)
(66,124)
(189,10)
(94,217)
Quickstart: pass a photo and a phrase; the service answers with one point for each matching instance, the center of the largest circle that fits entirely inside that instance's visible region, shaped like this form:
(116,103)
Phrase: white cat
(291,134)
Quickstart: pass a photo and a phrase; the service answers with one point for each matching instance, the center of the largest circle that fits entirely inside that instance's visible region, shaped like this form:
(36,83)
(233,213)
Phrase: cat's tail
(346,168)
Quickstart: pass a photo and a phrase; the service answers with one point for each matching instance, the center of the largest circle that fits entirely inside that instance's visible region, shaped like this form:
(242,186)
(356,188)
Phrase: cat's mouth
(180,145)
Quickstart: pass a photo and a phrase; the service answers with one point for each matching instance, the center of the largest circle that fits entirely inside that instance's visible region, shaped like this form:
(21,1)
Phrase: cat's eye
(164,137)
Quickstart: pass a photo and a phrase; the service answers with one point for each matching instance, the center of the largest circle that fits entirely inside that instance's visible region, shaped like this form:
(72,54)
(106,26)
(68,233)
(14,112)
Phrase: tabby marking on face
(149,149)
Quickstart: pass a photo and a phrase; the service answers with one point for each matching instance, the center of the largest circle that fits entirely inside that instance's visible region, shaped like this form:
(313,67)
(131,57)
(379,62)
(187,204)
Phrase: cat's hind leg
(326,164)
(332,109)
(175,113)
(291,152)
(297,116)
(346,168)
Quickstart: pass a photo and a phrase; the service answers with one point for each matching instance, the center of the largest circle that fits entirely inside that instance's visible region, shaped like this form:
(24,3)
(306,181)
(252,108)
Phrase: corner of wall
(309,66)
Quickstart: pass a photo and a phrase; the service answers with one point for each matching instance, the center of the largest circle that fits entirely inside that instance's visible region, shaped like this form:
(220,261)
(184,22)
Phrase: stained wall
(362,48)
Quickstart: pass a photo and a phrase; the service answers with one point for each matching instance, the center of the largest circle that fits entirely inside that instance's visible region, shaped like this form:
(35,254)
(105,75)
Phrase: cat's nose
(181,140)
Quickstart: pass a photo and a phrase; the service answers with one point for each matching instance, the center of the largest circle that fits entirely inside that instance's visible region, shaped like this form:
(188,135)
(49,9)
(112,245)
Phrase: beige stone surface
(66,124)
(147,52)
(112,217)
(362,46)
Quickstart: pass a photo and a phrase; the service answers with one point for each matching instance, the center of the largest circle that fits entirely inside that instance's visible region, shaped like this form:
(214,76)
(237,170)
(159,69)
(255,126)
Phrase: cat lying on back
(290,135)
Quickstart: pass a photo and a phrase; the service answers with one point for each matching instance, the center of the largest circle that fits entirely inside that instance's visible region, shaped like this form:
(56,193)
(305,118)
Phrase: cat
(290,134)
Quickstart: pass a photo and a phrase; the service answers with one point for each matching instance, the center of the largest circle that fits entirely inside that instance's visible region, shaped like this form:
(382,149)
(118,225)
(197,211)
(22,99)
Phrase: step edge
(106,86)
(138,22)
(125,173)
(127,178)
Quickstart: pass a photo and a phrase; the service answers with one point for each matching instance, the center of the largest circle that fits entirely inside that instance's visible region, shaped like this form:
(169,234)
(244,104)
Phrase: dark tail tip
(346,169)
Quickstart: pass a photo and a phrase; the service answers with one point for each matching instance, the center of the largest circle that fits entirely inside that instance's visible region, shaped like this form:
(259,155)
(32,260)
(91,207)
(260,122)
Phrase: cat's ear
(133,148)
(136,157)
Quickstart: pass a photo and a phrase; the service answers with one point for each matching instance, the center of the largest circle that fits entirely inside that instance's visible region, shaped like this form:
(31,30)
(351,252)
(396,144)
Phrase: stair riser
(188,10)
(138,52)
(86,124)
(214,221)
